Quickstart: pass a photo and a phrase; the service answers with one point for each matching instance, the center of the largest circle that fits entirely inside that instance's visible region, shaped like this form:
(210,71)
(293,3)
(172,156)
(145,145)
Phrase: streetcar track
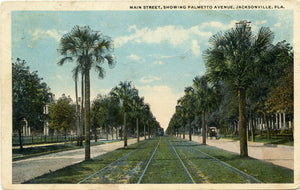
(116,161)
(249,178)
(144,171)
(186,171)
(243,174)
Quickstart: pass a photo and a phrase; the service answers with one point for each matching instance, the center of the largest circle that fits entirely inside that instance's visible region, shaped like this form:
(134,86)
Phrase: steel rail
(148,163)
(186,171)
(120,159)
(245,175)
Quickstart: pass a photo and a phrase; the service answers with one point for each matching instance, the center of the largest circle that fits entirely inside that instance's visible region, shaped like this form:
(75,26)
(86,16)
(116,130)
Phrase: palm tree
(234,58)
(89,49)
(145,113)
(124,93)
(136,109)
(205,100)
(187,103)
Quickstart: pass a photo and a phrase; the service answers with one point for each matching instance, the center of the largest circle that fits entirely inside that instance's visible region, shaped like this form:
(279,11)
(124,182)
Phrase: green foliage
(62,115)
(29,95)
(124,93)
(235,55)
(105,111)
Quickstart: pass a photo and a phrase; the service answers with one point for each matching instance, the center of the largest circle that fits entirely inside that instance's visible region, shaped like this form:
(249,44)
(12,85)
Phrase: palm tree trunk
(183,131)
(82,109)
(144,131)
(95,134)
(87,115)
(125,131)
(20,139)
(77,113)
(137,130)
(252,130)
(242,123)
(116,133)
(203,129)
(190,130)
(106,131)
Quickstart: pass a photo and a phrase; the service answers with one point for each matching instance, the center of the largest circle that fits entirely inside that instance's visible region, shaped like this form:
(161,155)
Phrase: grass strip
(44,150)
(263,171)
(205,170)
(275,140)
(128,169)
(186,171)
(164,167)
(143,173)
(77,172)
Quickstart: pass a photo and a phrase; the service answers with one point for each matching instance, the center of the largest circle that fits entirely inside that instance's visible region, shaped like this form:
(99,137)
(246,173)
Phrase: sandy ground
(278,155)
(24,170)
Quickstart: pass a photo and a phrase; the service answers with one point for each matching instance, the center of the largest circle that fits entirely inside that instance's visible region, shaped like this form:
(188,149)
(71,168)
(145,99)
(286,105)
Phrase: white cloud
(218,25)
(260,22)
(195,48)
(277,24)
(162,102)
(158,63)
(136,58)
(39,34)
(171,34)
(149,79)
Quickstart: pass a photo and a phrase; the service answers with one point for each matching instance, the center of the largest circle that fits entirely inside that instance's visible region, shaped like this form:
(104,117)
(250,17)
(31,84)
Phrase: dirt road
(27,169)
(278,155)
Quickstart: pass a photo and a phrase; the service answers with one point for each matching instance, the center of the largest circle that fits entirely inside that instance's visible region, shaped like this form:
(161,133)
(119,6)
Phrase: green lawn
(29,152)
(164,167)
(277,140)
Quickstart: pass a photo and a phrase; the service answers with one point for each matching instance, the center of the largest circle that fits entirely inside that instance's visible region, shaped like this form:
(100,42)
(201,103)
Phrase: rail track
(184,168)
(249,178)
(114,162)
(141,159)
(148,163)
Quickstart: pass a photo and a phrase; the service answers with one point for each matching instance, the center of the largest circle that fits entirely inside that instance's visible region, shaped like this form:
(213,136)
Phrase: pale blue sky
(160,51)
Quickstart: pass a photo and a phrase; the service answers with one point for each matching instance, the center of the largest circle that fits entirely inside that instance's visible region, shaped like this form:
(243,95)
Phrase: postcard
(149,95)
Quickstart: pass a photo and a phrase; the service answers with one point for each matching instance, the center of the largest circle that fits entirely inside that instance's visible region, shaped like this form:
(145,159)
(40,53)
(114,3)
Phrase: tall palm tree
(234,57)
(187,102)
(89,49)
(205,100)
(136,109)
(145,114)
(124,92)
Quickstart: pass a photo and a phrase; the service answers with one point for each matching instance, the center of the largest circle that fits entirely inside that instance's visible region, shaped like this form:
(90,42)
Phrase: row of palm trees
(121,108)
(198,99)
(244,66)
(91,49)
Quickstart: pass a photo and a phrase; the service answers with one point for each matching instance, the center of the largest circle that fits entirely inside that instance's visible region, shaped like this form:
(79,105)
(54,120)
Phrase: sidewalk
(24,170)
(278,155)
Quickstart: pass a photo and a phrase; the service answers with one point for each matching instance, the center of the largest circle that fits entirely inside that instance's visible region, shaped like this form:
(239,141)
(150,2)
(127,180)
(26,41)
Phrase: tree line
(247,78)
